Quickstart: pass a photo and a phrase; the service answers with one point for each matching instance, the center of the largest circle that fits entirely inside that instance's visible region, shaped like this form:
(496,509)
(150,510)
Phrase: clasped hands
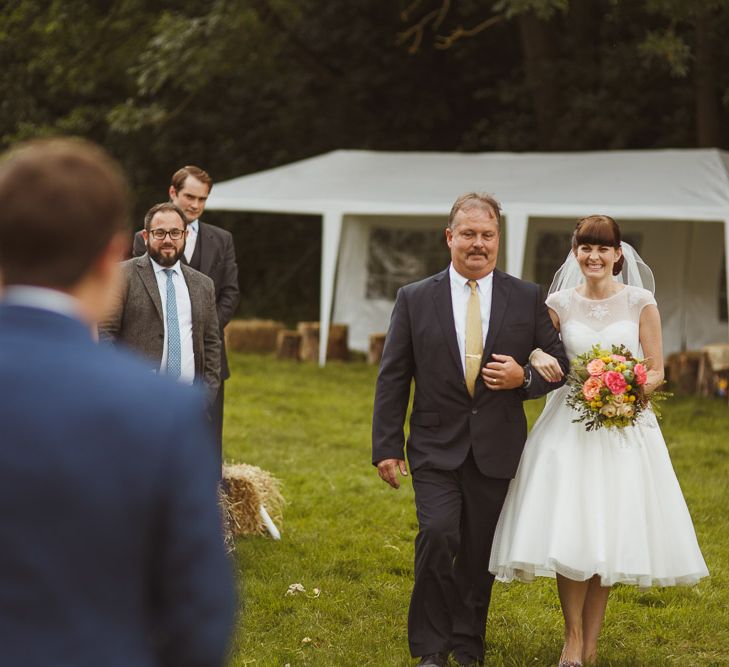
(503,372)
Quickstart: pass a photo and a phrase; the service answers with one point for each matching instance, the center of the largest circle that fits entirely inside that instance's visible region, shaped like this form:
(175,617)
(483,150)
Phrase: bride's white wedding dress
(604,502)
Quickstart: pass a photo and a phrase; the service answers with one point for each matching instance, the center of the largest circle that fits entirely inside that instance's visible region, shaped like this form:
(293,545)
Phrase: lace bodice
(605,322)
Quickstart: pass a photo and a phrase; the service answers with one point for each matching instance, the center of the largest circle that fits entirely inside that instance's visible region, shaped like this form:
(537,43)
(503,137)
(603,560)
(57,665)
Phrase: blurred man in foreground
(112,551)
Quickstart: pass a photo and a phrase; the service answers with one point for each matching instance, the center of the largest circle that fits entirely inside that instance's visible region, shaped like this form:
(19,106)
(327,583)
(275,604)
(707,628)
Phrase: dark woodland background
(237,86)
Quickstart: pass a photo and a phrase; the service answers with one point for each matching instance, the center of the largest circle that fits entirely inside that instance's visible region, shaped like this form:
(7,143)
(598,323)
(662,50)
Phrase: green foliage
(348,534)
(667,47)
(243,85)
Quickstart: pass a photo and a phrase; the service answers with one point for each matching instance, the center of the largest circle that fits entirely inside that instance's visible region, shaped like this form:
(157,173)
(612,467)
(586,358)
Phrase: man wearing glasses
(165,309)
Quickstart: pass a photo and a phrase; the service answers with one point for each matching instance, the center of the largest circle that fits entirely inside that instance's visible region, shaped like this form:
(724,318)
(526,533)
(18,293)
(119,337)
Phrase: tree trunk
(538,43)
(708,119)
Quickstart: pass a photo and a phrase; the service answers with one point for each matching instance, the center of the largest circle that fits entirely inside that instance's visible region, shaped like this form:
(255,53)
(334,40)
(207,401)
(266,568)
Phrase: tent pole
(331,233)
(516,233)
(726,260)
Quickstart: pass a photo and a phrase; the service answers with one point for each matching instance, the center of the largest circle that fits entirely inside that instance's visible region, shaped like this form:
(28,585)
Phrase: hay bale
(257,336)
(247,488)
(227,518)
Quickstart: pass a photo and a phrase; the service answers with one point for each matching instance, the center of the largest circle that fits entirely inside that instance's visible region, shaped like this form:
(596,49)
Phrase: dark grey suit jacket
(446,422)
(137,322)
(217,261)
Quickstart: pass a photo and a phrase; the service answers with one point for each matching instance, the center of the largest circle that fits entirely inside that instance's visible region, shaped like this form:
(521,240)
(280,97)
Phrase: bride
(602,507)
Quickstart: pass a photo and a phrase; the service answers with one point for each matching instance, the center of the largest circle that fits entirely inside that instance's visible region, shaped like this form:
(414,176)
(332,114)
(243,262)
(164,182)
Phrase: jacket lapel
(499,302)
(196,309)
(444,309)
(149,280)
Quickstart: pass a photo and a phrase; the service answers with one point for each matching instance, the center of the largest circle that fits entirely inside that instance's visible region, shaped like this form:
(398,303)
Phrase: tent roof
(688,184)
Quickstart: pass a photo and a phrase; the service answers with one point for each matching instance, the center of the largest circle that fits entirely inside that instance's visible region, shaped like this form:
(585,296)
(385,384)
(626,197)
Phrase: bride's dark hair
(598,230)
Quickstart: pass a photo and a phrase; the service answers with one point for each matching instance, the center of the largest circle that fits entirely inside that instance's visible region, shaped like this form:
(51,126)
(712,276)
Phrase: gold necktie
(474,338)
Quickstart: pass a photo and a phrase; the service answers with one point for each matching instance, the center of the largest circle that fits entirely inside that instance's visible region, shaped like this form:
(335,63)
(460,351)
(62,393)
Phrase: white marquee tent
(669,201)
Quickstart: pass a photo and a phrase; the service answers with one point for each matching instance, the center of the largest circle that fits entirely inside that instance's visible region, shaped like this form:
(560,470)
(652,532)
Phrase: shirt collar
(43,298)
(457,280)
(158,268)
(194,226)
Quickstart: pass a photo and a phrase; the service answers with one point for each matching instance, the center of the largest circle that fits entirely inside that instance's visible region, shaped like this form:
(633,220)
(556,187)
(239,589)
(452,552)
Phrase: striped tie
(174,347)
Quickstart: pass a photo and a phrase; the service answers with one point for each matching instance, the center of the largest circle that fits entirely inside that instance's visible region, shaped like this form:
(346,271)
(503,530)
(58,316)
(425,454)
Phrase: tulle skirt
(601,503)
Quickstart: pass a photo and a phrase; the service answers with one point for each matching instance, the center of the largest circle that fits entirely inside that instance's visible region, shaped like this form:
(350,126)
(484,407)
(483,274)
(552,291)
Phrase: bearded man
(165,309)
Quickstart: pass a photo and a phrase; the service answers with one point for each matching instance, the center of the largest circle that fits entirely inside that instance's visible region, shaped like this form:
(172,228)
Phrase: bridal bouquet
(607,388)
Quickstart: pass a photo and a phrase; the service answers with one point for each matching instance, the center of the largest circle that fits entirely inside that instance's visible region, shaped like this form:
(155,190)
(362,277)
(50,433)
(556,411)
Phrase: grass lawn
(349,535)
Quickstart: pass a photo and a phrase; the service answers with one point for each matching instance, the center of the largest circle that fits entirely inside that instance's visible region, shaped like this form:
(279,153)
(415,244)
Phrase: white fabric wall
(685,258)
(366,316)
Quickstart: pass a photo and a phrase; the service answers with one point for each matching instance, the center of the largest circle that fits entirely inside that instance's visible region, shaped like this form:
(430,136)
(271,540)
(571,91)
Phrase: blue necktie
(174,347)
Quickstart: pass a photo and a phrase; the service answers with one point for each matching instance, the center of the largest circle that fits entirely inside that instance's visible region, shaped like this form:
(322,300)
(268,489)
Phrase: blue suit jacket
(110,541)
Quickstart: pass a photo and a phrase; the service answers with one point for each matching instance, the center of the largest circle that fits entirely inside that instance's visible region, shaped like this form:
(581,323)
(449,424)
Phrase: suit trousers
(457,515)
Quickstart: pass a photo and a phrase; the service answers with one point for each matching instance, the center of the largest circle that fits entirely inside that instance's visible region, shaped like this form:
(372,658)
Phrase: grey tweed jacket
(136,319)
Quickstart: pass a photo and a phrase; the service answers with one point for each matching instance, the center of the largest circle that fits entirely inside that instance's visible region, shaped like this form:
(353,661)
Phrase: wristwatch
(527,376)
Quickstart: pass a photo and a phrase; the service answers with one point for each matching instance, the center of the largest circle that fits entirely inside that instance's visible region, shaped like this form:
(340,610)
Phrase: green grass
(349,535)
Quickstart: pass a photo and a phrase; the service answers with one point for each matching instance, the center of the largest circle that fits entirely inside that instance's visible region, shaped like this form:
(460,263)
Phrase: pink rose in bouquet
(618,357)
(591,388)
(615,382)
(641,374)
(596,367)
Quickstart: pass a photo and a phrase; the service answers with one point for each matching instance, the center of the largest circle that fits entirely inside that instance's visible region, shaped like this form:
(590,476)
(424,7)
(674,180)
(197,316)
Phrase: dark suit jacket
(217,261)
(137,322)
(446,422)
(112,551)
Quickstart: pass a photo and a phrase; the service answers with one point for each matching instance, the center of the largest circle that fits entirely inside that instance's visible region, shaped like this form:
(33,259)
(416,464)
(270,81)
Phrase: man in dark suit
(209,250)
(141,318)
(465,336)
(112,551)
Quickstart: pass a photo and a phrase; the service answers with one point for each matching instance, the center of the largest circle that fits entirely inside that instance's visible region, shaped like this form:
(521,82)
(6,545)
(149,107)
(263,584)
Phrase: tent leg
(516,233)
(726,262)
(331,233)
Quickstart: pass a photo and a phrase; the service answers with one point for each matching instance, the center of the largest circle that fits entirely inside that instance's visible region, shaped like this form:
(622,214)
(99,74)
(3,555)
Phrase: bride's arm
(545,364)
(652,344)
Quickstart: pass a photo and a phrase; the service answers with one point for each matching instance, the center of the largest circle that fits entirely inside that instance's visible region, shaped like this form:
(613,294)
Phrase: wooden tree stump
(377,344)
(309,331)
(288,344)
(682,371)
(337,347)
(252,335)
(338,343)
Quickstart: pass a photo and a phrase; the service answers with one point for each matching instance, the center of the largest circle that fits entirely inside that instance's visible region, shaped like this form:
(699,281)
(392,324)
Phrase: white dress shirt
(460,293)
(192,231)
(43,298)
(184,318)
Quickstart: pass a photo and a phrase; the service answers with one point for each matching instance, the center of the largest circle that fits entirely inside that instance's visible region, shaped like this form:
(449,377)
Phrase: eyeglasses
(159,234)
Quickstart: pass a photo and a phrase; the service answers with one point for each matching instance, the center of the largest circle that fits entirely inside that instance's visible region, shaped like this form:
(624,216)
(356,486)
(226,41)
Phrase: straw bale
(228,522)
(252,335)
(248,487)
